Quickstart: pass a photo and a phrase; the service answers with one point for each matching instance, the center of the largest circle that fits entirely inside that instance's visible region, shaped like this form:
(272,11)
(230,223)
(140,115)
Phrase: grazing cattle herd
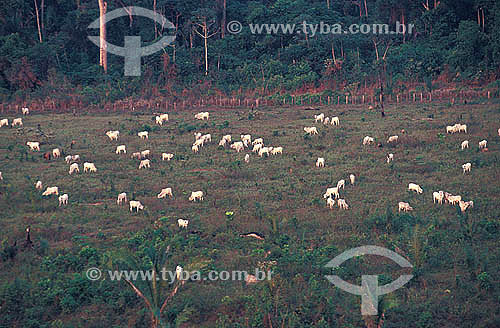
(332,194)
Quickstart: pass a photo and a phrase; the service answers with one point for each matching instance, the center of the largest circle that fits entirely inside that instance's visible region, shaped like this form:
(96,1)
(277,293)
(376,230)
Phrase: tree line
(45,51)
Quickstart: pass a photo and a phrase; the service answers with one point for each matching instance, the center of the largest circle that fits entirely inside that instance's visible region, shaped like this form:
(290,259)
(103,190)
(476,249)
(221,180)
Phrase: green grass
(280,197)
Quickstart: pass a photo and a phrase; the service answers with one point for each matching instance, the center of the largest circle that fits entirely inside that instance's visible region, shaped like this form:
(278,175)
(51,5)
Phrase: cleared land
(280,197)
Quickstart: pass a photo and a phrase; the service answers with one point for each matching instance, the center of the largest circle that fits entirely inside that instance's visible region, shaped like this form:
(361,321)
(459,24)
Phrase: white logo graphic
(132,50)
(369,289)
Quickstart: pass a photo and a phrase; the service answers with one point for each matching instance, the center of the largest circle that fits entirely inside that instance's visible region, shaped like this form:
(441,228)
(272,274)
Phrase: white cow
(166,156)
(161,118)
(4,122)
(277,150)
(335,121)
(25,110)
(136,204)
(257,147)
(405,207)
(145,164)
(415,187)
(246,139)
(467,167)
(165,192)
(74,167)
(330,203)
(390,158)
(70,158)
(51,191)
(63,200)
(265,150)
(311,130)
(122,198)
(34,146)
(202,116)
(368,140)
(465,144)
(143,135)
(438,197)
(222,142)
(196,195)
(17,121)
(56,153)
(332,191)
(38,185)
(392,139)
(89,167)
(342,204)
(483,144)
(352,177)
(320,162)
(341,184)
(258,141)
(238,146)
(182,223)
(247,158)
(113,135)
(453,199)
(319,118)
(120,149)
(207,138)
(465,205)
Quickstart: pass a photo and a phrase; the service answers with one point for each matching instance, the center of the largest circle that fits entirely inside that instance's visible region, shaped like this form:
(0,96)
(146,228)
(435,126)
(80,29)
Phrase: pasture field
(456,257)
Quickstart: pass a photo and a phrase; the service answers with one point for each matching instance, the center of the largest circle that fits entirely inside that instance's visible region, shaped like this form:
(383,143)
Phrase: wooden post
(346,99)
(363,99)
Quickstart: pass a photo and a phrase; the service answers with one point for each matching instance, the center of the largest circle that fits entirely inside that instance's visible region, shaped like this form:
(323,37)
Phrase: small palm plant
(155,292)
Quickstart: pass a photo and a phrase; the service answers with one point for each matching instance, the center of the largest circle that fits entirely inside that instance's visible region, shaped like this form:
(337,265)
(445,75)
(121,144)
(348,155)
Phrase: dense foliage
(449,41)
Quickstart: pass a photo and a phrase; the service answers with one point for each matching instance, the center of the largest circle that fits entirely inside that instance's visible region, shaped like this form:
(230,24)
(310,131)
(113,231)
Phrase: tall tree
(38,22)
(103,52)
(203,25)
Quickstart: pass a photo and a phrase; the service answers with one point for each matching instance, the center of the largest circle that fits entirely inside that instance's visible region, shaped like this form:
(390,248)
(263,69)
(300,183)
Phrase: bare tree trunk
(482,10)
(38,22)
(204,34)
(205,38)
(366,9)
(103,53)
(375,43)
(42,11)
(224,14)
(154,10)
(333,55)
(328,4)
